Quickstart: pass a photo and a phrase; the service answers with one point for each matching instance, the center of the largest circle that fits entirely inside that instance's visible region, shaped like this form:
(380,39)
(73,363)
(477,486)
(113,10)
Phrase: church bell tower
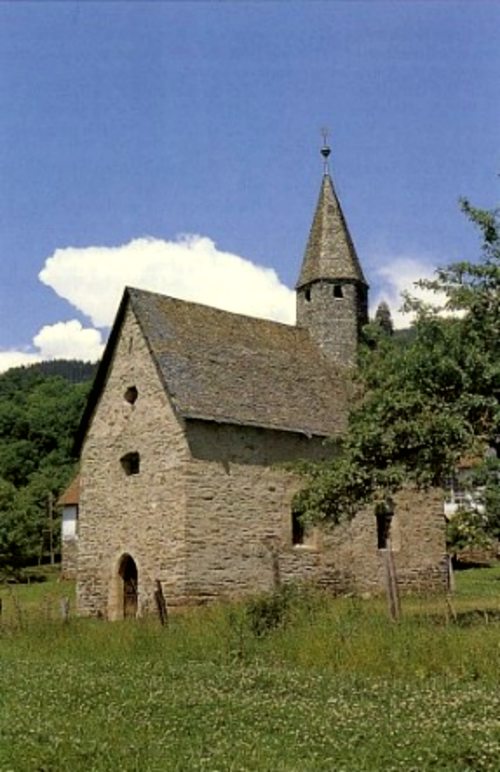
(332,292)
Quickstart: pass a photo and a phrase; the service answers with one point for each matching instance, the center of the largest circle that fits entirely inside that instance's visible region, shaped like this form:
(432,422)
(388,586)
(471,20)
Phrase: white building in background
(458,499)
(461,495)
(69,501)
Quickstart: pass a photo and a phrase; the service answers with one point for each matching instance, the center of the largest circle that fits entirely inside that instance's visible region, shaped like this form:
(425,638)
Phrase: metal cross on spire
(325,150)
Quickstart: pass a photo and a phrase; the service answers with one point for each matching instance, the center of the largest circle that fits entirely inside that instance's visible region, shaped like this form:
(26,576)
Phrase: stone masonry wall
(141,514)
(69,556)
(417,540)
(239,529)
(239,508)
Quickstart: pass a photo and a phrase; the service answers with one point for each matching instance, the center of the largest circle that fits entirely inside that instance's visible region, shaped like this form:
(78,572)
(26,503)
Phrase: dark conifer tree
(383,318)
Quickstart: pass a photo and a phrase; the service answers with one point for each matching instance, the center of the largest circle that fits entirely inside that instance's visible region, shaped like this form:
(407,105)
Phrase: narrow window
(384,513)
(131,395)
(298,530)
(130,463)
(307,295)
(337,291)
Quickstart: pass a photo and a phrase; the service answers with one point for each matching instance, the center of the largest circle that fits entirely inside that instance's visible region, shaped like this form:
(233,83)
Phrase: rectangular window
(298,530)
(384,515)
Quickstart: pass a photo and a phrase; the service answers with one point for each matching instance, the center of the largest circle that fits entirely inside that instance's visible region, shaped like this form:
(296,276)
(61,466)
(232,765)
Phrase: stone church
(192,419)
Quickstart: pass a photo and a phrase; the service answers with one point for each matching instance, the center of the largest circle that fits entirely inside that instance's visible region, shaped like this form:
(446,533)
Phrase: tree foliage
(39,414)
(424,402)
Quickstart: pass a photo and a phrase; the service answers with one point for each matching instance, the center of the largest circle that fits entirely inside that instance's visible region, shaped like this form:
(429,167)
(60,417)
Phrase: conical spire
(330,253)
(332,293)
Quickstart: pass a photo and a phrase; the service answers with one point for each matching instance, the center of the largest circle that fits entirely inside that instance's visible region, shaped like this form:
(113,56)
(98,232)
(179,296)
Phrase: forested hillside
(40,408)
(72,370)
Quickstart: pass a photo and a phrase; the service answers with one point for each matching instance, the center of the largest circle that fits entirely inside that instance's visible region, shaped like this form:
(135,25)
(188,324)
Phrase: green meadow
(298,682)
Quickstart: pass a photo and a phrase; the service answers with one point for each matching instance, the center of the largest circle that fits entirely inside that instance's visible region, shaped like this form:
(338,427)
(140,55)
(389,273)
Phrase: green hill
(40,408)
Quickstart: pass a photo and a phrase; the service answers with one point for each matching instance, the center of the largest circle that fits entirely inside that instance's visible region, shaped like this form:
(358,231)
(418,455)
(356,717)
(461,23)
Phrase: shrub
(269,612)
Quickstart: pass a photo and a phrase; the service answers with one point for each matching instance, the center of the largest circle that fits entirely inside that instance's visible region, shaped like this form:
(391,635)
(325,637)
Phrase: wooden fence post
(161,603)
(451,575)
(50,509)
(392,586)
(65,609)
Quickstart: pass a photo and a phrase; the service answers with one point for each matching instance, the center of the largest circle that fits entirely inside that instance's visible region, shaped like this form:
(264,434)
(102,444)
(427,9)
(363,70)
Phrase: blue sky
(174,145)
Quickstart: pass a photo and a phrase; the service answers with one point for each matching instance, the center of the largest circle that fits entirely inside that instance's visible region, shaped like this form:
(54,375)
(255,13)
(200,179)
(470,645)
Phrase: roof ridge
(217,309)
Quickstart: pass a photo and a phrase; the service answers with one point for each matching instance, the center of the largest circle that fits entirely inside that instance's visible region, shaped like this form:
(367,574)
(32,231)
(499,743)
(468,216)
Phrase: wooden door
(128,572)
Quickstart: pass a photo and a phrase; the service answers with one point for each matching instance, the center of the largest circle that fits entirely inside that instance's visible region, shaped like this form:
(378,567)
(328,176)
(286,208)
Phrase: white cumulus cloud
(398,275)
(69,340)
(191,268)
(63,340)
(14,358)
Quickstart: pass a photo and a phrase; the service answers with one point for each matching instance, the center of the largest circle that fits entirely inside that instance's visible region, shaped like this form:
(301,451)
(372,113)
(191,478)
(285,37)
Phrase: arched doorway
(128,574)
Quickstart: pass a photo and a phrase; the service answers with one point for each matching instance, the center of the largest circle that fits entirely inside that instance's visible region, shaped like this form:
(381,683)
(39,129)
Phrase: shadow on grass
(460,565)
(30,574)
(469,618)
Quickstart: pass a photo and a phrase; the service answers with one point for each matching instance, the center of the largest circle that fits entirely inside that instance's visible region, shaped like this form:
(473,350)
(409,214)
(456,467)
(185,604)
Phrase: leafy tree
(16,530)
(425,403)
(39,415)
(466,530)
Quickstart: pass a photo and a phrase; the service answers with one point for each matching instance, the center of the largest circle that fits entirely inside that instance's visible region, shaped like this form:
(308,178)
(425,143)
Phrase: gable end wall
(144,514)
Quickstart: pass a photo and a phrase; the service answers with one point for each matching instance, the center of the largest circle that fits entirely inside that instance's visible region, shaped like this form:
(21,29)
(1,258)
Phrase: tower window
(131,395)
(307,295)
(130,463)
(338,291)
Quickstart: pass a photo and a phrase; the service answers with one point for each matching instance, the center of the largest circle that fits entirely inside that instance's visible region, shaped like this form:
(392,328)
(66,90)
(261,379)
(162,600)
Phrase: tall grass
(294,629)
(347,636)
(297,682)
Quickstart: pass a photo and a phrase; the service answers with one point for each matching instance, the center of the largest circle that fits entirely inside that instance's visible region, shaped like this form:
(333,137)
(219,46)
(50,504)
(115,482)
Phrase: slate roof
(330,252)
(230,368)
